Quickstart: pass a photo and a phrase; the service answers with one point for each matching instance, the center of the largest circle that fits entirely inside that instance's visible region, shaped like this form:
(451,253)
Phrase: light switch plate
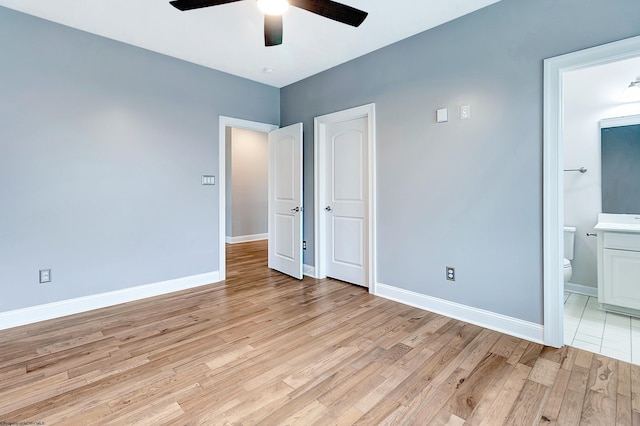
(442,115)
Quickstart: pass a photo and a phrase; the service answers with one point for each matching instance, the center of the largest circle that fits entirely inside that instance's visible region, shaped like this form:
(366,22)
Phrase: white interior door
(285,200)
(346,198)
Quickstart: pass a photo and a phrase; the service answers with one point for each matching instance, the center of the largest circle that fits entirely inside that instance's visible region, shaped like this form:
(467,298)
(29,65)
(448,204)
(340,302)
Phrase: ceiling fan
(275,8)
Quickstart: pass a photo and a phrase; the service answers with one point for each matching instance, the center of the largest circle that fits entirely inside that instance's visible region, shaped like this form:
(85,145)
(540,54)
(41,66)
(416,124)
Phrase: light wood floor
(263,348)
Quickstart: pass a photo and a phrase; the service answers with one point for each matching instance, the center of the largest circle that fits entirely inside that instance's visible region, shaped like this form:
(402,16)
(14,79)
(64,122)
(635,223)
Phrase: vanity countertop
(618,222)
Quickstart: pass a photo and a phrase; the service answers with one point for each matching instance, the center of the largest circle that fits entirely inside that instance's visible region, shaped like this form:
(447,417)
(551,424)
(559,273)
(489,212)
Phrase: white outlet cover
(45,276)
(465,112)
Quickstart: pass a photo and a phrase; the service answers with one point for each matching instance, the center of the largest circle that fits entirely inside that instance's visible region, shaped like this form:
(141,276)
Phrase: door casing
(319,190)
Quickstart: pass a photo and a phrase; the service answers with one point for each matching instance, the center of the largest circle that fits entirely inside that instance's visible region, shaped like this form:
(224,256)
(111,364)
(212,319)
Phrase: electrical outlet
(45,276)
(451,273)
(465,112)
(304,245)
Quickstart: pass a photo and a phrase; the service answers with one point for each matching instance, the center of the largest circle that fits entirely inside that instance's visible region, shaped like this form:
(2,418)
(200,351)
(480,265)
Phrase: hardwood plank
(505,345)
(570,360)
(571,408)
(471,389)
(502,404)
(544,372)
(600,400)
(342,397)
(310,414)
(391,382)
(527,410)
(552,409)
(623,398)
(531,354)
(430,401)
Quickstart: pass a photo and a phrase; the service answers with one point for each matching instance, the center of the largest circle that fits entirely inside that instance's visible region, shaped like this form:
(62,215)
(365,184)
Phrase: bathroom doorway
(565,118)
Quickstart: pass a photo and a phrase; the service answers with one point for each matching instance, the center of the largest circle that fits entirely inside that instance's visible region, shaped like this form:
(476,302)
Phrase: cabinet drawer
(621,241)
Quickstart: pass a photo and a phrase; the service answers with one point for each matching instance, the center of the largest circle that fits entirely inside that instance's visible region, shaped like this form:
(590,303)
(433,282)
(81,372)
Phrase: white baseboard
(491,320)
(309,270)
(245,238)
(87,303)
(581,289)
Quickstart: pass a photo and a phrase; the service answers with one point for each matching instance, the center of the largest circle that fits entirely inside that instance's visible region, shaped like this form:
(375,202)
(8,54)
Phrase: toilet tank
(569,235)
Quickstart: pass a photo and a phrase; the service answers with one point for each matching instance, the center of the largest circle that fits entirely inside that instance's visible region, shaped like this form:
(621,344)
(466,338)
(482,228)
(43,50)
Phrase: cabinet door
(622,278)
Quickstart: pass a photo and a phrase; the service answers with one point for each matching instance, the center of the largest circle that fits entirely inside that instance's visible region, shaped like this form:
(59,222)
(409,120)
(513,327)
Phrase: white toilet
(569,235)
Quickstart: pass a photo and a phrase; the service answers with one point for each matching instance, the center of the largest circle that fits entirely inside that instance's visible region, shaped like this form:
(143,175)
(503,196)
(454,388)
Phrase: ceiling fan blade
(197,4)
(332,10)
(272,30)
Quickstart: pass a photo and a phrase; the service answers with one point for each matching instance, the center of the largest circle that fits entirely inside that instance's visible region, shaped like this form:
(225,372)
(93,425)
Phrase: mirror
(620,159)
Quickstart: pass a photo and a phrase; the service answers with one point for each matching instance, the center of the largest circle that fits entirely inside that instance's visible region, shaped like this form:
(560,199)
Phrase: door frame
(553,165)
(319,177)
(223,123)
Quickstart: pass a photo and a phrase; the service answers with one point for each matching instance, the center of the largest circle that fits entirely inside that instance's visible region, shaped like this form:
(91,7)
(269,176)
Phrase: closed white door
(285,200)
(346,198)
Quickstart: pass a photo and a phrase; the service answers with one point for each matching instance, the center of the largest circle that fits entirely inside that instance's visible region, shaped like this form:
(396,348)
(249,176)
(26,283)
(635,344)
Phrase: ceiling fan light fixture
(273,7)
(632,93)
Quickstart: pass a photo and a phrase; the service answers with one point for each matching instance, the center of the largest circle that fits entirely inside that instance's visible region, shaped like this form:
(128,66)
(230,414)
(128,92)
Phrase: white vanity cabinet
(619,263)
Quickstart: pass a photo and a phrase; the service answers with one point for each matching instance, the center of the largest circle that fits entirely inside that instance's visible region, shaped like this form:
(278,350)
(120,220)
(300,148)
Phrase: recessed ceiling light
(267,70)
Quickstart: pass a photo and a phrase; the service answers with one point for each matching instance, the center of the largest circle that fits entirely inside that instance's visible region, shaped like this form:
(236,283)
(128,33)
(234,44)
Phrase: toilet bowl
(569,238)
(567,270)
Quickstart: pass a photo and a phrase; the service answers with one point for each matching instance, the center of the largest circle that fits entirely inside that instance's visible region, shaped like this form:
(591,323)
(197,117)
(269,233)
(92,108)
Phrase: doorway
(224,123)
(247,160)
(344,195)
(553,170)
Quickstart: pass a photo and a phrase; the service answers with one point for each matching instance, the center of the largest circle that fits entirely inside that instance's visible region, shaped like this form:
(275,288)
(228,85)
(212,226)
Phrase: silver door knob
(328,208)
(295,210)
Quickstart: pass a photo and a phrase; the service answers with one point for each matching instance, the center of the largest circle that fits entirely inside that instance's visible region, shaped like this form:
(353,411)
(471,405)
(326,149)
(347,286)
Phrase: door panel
(284,232)
(346,197)
(284,170)
(285,200)
(348,154)
(348,229)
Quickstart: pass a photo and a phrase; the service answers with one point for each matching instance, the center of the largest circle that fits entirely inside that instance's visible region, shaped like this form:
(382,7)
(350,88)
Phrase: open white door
(285,200)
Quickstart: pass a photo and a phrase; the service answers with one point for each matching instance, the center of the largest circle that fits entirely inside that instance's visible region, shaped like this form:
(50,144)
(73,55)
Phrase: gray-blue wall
(102,146)
(467,193)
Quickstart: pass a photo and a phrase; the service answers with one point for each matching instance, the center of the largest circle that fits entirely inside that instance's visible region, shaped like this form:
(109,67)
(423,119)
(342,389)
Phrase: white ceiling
(229,37)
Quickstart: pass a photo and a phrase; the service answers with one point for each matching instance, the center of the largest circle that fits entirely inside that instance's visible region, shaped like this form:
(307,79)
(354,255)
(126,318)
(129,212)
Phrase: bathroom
(590,96)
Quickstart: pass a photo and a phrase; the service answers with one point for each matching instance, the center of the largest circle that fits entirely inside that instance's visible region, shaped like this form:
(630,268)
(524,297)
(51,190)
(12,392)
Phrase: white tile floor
(587,327)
